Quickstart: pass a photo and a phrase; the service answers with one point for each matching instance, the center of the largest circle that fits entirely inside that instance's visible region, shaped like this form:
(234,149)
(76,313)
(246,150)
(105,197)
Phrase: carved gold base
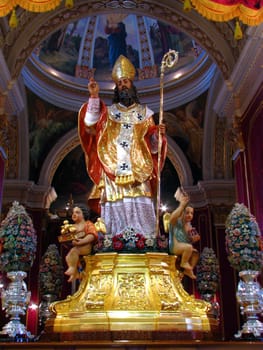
(132,293)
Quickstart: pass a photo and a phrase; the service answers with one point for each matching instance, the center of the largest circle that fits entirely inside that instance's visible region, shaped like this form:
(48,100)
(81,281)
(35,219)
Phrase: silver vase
(15,300)
(215,307)
(44,312)
(249,296)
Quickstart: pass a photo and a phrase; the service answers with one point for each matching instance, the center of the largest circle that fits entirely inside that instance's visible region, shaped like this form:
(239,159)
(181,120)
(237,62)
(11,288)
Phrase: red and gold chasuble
(122,157)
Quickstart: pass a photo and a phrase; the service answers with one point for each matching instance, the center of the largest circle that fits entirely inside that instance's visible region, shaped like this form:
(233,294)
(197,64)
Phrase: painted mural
(113,35)
(47,124)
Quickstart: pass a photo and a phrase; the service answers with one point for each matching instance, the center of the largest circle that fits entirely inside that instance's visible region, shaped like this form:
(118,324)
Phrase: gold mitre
(123,68)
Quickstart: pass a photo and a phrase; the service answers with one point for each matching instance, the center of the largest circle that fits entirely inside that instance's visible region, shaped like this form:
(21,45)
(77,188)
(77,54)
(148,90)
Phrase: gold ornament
(100,226)
(166,221)
(13,19)
(187,6)
(69,4)
(123,68)
(238,31)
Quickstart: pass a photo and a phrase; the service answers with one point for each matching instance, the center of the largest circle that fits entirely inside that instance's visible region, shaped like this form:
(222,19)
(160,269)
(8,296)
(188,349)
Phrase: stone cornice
(9,88)
(70,93)
(237,92)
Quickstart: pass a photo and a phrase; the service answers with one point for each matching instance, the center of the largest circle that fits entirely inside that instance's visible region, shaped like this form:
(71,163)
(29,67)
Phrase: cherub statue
(83,234)
(182,235)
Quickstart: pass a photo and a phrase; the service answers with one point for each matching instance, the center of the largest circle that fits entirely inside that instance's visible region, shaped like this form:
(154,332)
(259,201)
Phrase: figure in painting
(85,235)
(116,41)
(182,235)
(116,30)
(120,143)
(171,38)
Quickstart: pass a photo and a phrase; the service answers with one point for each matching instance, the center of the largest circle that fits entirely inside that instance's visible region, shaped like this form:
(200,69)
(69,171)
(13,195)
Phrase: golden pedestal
(130,296)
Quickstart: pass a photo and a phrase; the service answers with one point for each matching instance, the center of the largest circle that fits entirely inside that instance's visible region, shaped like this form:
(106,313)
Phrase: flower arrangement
(207,272)
(244,243)
(162,242)
(18,240)
(129,240)
(51,272)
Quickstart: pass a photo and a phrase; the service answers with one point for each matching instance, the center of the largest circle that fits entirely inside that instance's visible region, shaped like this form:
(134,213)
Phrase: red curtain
(31,5)
(249,12)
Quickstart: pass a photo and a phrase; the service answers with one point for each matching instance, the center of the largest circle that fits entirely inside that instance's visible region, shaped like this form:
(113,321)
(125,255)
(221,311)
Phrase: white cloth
(137,213)
(93,112)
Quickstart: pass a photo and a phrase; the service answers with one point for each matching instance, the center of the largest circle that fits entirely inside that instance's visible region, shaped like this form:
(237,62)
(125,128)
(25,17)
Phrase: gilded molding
(130,292)
(9,142)
(220,149)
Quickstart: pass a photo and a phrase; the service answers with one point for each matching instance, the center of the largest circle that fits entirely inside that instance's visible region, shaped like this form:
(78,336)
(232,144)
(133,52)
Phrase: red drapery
(249,12)
(30,5)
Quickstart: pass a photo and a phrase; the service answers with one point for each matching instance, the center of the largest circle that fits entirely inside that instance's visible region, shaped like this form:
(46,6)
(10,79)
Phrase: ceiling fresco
(91,45)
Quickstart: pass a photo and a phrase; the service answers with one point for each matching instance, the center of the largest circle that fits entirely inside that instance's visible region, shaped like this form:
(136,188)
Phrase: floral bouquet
(51,272)
(131,241)
(18,240)
(193,235)
(207,272)
(244,243)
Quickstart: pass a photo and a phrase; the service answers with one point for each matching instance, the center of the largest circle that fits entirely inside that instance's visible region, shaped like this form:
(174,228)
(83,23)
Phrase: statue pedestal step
(131,295)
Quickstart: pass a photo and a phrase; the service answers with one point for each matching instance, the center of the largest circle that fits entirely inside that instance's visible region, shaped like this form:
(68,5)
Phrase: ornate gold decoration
(235,135)
(9,142)
(147,72)
(166,221)
(130,292)
(31,5)
(68,231)
(100,225)
(225,11)
(123,68)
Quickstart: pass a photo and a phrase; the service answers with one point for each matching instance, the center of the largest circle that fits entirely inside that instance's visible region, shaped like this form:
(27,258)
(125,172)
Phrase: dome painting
(90,46)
